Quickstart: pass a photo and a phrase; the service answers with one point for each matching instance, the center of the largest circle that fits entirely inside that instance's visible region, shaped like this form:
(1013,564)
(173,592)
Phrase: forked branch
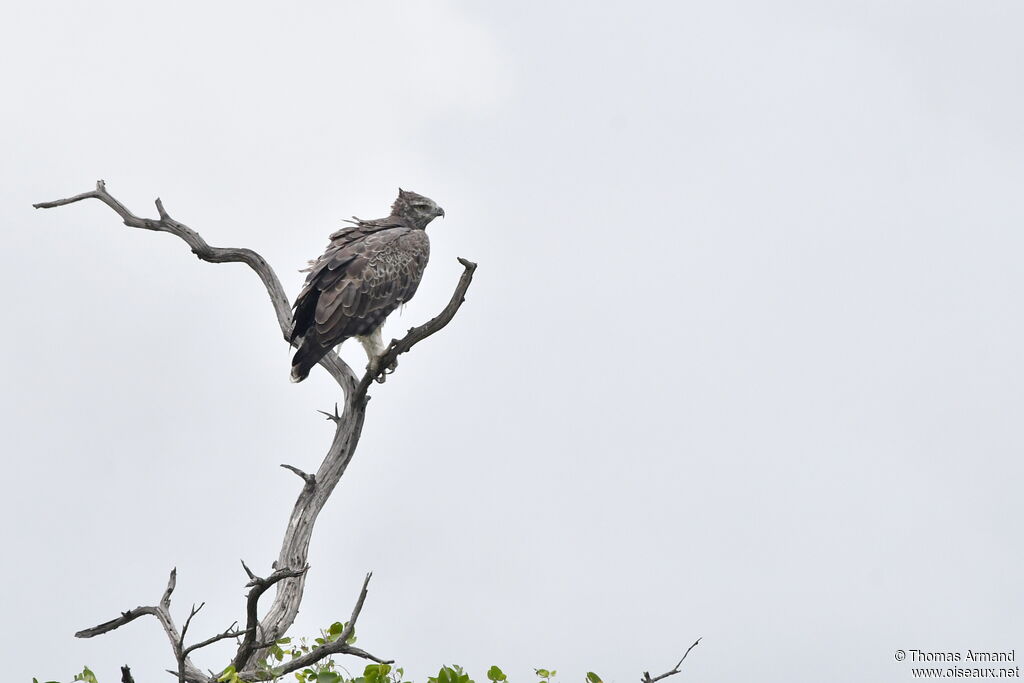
(339,646)
(162,611)
(647,678)
(257,587)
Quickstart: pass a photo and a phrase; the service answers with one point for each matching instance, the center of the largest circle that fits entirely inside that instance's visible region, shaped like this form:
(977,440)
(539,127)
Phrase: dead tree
(290,568)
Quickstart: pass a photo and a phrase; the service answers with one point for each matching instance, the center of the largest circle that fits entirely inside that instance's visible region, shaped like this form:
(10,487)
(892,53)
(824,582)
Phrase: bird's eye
(421,207)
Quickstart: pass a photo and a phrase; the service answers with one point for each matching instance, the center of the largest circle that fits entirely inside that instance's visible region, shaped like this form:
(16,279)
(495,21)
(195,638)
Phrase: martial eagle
(368,270)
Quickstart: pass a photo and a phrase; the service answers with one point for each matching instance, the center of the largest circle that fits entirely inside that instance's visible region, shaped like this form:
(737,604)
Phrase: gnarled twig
(334,647)
(257,587)
(162,611)
(647,678)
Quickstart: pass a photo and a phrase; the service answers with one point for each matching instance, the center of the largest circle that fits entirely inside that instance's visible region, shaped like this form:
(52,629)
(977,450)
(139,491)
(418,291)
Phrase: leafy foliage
(327,671)
(87,676)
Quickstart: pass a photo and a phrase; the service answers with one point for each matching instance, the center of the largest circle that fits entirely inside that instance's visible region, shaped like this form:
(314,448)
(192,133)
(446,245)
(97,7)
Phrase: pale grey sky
(742,359)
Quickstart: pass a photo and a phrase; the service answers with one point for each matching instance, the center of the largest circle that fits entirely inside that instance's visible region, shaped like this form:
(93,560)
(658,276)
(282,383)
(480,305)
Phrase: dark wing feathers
(367,271)
(385,273)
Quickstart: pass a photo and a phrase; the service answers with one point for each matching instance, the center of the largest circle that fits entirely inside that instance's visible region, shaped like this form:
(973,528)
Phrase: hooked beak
(440,212)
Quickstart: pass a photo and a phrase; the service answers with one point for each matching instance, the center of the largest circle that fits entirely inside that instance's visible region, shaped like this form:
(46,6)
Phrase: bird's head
(416,209)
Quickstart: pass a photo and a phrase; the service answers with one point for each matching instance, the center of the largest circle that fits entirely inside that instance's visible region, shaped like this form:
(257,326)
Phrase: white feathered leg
(375,347)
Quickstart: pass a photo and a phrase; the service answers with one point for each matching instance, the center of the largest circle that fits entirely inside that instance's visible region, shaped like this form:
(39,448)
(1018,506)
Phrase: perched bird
(368,270)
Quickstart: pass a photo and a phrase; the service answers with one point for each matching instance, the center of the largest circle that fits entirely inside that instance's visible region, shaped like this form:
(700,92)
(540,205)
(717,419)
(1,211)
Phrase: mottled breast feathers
(367,271)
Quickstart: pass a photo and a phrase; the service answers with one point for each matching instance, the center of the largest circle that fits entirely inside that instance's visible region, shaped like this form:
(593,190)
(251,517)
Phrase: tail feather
(304,359)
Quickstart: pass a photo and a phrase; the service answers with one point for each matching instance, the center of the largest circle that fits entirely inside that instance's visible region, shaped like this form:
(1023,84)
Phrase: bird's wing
(363,276)
(324,273)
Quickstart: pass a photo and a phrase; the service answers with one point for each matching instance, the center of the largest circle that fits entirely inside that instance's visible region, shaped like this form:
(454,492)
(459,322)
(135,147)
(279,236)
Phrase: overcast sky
(742,359)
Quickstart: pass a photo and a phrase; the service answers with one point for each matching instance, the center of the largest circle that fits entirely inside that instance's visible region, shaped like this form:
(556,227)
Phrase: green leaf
(593,678)
(229,673)
(87,676)
(457,675)
(283,641)
(376,673)
(495,674)
(543,673)
(328,677)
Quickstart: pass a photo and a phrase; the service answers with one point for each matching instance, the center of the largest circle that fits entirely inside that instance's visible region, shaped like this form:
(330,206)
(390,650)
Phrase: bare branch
(229,632)
(363,654)
(647,678)
(133,614)
(126,617)
(187,671)
(188,622)
(334,647)
(335,417)
(350,627)
(181,652)
(282,308)
(257,587)
(418,334)
(310,479)
(165,599)
(126,675)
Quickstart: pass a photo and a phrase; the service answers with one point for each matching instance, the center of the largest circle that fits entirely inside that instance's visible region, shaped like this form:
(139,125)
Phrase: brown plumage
(367,271)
